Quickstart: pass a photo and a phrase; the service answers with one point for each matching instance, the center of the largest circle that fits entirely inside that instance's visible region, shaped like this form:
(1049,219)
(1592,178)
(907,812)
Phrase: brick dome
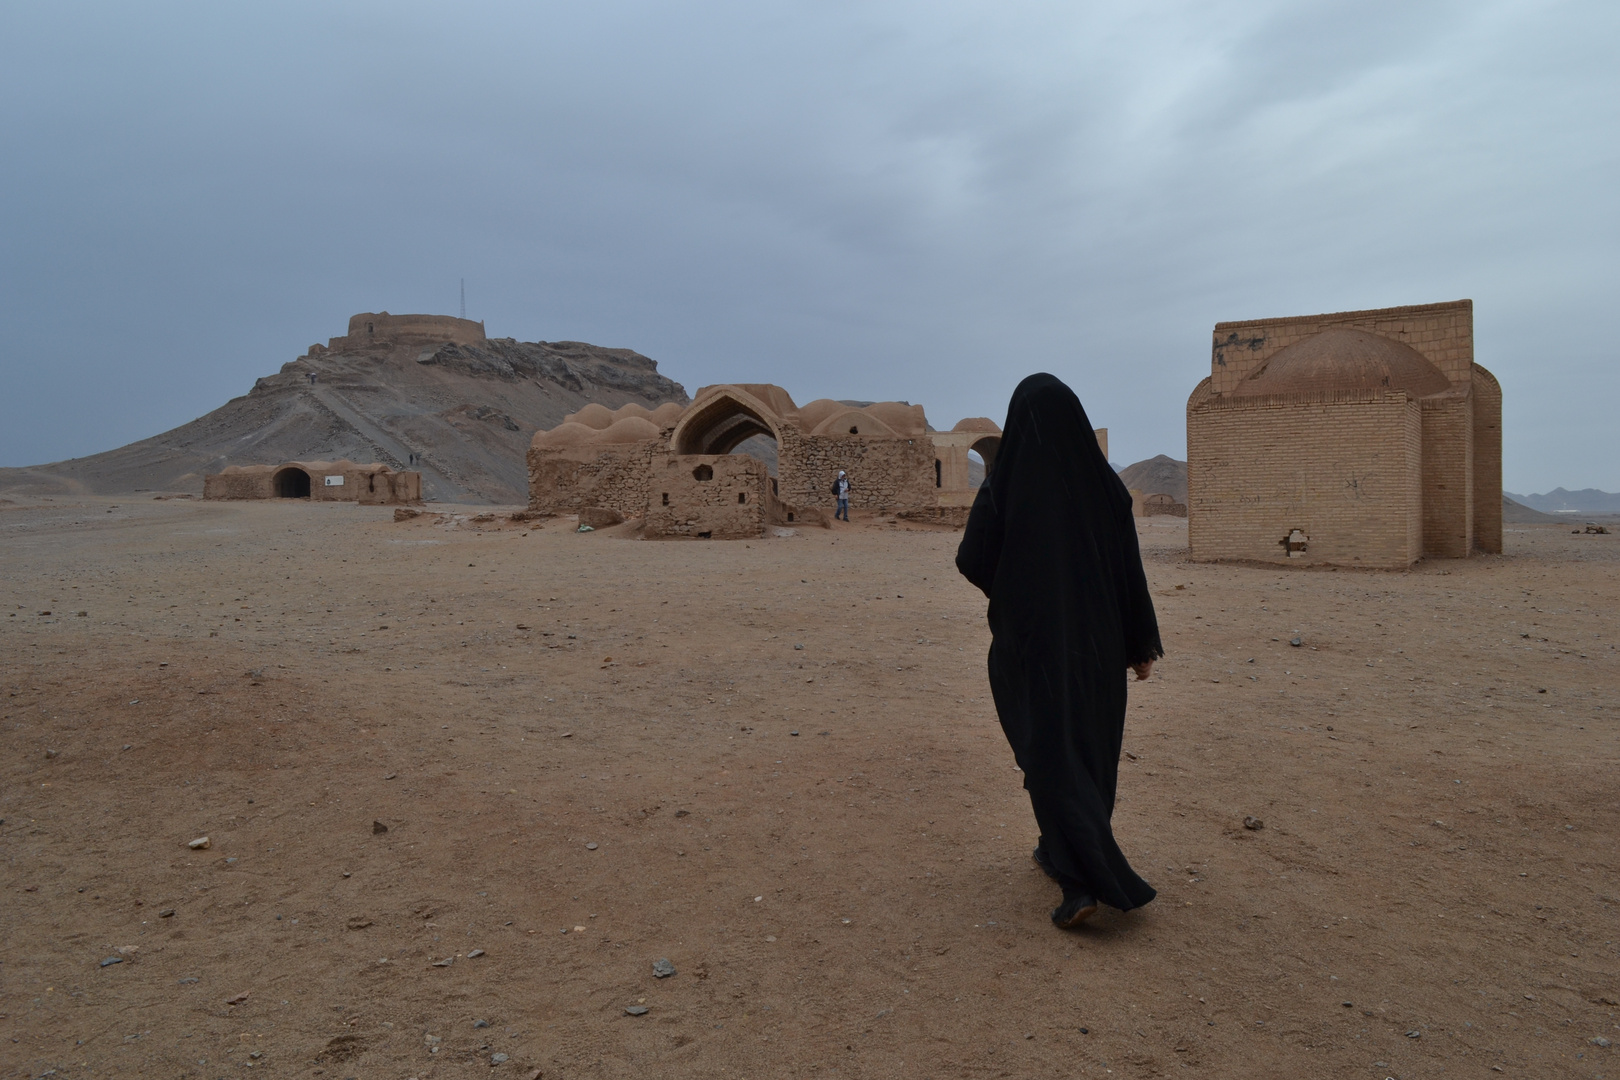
(1344,359)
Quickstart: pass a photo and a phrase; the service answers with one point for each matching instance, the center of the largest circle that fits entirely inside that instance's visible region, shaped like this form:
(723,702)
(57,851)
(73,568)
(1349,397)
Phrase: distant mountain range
(1560,501)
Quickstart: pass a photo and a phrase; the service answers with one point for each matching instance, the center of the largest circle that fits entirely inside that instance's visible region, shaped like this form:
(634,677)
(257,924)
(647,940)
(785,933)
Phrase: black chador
(1052,543)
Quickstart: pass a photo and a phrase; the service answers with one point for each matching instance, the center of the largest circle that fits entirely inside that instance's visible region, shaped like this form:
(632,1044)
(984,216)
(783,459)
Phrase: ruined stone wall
(883,473)
(707,496)
(1344,468)
(1443,333)
(614,477)
(1448,476)
(391,489)
(238,485)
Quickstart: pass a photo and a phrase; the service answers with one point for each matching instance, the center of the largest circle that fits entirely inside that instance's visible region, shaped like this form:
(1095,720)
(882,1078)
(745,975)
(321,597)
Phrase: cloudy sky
(874,199)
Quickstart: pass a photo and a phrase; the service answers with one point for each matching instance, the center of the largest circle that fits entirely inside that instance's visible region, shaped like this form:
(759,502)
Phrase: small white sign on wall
(334,481)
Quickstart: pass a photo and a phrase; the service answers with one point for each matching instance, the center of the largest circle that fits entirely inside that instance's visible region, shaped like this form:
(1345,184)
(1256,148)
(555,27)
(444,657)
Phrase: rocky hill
(1161,474)
(462,414)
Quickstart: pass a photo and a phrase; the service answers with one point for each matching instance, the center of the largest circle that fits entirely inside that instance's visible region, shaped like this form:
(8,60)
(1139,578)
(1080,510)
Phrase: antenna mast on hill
(463,298)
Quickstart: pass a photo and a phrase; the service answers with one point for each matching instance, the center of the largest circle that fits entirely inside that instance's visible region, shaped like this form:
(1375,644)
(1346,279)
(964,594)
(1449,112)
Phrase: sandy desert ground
(775,764)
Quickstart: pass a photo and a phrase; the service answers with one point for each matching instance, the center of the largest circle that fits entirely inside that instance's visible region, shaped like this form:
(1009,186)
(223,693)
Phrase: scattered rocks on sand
(111,960)
(239,998)
(475,954)
(166,913)
(1252,822)
(637,1010)
(446,962)
(378,828)
(480,1023)
(199,843)
(1598,1040)
(663,969)
(498,1059)
(591,846)
(1296,641)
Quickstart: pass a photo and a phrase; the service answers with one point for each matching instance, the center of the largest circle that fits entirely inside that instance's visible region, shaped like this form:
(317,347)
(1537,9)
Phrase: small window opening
(370,329)
(790,515)
(703,472)
(666,498)
(774,489)
(1294,543)
(371,482)
(854,430)
(742,497)
(705,536)
(939,473)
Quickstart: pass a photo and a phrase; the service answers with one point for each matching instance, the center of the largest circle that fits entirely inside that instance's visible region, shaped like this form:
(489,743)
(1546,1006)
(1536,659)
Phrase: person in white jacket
(840,490)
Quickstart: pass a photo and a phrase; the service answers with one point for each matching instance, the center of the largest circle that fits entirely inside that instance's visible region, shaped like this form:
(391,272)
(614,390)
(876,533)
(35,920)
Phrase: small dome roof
(978,423)
(901,418)
(1344,359)
(666,414)
(595,415)
(565,434)
(628,430)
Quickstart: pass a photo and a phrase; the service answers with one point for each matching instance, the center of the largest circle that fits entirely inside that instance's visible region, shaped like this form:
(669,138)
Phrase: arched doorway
(720,425)
(291,483)
(986,448)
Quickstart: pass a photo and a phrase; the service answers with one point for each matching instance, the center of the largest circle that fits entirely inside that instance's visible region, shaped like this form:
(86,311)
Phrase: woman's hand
(1143,670)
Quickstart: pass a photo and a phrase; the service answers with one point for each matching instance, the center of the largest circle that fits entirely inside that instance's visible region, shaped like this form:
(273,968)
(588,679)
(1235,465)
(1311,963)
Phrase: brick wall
(1487,462)
(1448,475)
(1443,333)
(1343,468)
(706,496)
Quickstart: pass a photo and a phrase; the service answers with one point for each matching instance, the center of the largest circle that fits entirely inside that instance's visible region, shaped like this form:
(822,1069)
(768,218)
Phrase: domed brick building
(1361,438)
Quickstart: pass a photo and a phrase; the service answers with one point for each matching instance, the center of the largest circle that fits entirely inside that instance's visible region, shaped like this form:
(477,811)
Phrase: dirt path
(583,750)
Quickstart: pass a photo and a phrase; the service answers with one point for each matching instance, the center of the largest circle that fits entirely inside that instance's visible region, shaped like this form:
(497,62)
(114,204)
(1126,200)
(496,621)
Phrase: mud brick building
(674,466)
(1360,438)
(318,481)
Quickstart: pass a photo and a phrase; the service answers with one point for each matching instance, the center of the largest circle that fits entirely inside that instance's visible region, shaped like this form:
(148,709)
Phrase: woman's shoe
(1077,907)
(1044,861)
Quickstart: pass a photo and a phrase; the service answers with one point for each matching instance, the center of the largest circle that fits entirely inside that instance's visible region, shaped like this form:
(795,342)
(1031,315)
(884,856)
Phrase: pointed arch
(720,419)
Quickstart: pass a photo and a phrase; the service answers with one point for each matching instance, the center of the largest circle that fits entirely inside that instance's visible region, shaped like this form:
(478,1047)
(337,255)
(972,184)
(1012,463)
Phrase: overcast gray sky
(874,199)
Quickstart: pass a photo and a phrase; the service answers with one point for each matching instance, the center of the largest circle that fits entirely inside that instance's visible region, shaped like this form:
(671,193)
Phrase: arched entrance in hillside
(292,483)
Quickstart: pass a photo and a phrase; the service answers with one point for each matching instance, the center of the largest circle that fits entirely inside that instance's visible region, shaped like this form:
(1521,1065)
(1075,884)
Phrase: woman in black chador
(1052,543)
